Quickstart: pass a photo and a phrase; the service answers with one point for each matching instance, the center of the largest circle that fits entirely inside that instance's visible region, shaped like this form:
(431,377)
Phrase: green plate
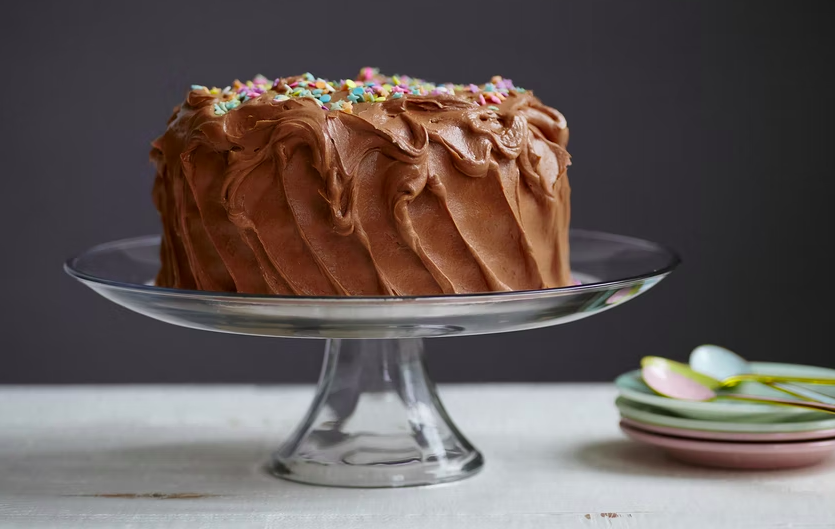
(651,415)
(631,386)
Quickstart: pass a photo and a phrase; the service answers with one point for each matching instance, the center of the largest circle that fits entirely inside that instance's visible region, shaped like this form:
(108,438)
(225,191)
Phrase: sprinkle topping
(369,87)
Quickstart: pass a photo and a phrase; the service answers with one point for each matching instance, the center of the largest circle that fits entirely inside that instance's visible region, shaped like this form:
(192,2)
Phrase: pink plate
(737,454)
(766,437)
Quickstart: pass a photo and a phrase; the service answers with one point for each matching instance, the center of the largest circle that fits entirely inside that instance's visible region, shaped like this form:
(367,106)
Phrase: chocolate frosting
(422,194)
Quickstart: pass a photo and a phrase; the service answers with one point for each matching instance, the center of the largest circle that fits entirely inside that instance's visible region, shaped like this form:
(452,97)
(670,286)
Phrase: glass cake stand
(376,420)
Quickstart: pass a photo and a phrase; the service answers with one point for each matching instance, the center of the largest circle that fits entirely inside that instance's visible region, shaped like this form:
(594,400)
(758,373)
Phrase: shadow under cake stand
(376,420)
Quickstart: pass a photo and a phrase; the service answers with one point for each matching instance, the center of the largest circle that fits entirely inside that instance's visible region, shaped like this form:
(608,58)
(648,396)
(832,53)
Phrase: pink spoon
(668,383)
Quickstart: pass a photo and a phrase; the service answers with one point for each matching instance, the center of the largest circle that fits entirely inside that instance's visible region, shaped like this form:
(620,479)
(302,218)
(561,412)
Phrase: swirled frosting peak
(369,186)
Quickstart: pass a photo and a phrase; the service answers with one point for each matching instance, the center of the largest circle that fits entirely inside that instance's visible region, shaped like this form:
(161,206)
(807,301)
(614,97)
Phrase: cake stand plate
(376,420)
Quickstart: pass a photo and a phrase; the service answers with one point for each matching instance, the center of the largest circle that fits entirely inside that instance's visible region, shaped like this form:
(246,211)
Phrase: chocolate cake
(374,186)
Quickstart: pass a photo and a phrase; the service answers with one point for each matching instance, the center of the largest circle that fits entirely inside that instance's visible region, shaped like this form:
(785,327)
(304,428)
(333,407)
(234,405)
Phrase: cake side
(374,186)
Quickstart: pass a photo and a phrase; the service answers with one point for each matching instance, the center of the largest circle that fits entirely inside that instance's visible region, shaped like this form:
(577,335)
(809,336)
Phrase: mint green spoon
(730,368)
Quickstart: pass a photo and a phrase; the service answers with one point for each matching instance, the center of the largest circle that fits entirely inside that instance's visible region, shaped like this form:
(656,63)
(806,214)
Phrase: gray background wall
(704,125)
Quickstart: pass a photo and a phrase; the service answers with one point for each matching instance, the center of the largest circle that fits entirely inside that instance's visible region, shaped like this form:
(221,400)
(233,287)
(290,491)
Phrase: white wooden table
(192,456)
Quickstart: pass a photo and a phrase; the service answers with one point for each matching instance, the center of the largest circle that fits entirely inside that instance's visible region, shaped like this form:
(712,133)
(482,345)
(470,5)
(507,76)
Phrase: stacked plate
(730,433)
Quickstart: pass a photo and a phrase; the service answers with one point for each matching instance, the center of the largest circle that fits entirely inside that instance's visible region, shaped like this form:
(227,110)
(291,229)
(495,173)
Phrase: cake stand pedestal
(376,420)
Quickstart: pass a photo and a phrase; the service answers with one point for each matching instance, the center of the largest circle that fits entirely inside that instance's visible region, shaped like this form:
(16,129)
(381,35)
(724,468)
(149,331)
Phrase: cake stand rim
(673,261)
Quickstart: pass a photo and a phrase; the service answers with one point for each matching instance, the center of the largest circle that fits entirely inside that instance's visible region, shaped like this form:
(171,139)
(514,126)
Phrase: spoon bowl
(718,362)
(681,369)
(675,385)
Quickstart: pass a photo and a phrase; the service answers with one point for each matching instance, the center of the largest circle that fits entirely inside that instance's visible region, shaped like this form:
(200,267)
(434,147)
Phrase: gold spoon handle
(767,379)
(816,406)
(803,393)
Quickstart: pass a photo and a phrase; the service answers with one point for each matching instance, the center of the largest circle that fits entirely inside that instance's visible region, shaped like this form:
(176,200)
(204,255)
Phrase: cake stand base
(376,421)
